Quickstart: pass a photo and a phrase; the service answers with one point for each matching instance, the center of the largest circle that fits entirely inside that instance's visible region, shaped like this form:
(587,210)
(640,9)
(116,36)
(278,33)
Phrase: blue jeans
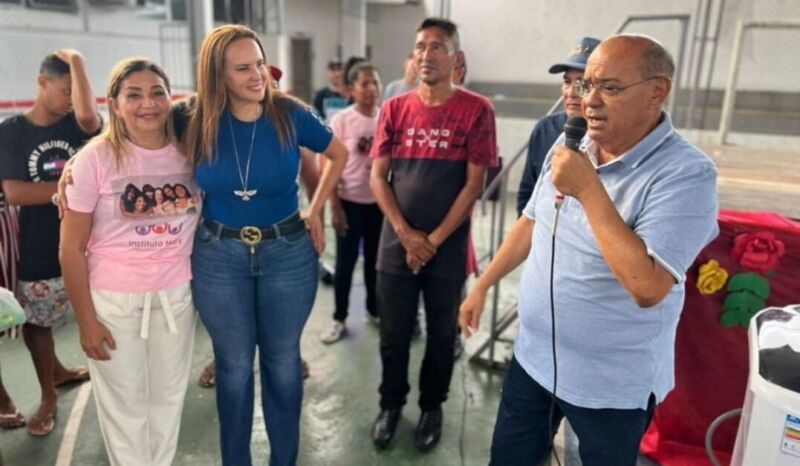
(256,298)
(607,437)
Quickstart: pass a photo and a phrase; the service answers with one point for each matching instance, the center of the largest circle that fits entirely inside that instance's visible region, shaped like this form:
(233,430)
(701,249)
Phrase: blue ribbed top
(273,170)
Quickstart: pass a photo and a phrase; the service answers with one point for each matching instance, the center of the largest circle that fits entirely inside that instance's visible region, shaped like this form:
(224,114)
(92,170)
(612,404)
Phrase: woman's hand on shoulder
(60,197)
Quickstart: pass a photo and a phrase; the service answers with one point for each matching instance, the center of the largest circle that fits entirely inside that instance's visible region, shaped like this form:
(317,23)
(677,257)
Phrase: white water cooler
(769,430)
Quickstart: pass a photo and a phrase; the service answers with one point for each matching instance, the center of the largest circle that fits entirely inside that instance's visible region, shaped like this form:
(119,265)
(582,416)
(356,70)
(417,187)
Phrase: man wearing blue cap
(546,131)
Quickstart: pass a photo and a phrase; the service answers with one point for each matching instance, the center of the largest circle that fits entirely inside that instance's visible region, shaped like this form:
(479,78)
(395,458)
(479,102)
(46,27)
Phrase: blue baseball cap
(577,56)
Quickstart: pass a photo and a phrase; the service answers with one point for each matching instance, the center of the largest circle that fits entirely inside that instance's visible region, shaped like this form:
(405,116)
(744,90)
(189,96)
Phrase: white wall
(319,20)
(390,33)
(517,40)
(505,40)
(27,35)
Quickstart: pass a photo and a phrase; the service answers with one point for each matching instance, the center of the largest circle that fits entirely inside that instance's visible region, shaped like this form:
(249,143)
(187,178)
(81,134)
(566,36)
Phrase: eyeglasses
(584,88)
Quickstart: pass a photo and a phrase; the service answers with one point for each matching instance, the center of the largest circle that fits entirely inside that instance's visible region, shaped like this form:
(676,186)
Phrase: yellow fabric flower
(711,278)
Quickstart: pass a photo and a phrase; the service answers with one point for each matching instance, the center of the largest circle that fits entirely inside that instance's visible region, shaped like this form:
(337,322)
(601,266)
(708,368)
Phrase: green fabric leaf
(740,307)
(730,319)
(744,318)
(751,282)
(743,301)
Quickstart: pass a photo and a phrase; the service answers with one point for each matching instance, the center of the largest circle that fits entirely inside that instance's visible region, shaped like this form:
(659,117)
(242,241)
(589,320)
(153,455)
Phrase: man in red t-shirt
(437,143)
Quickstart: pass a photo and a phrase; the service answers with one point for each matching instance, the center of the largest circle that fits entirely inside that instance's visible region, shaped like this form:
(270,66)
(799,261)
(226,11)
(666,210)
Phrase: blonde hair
(212,95)
(116,134)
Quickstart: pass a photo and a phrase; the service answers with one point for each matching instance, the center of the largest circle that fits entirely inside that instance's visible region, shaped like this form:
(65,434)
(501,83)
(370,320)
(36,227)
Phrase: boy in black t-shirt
(332,97)
(34,147)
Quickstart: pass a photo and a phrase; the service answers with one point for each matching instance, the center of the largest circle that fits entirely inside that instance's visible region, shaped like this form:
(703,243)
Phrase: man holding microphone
(640,204)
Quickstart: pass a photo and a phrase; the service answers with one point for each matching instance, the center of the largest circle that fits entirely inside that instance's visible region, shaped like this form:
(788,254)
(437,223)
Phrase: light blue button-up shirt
(612,353)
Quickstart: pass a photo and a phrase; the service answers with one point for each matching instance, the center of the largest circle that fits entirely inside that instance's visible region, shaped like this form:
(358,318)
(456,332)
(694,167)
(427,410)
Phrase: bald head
(652,58)
(632,76)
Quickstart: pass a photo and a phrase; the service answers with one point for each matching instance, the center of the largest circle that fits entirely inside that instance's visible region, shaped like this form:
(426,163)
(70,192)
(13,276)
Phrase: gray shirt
(395,88)
(612,353)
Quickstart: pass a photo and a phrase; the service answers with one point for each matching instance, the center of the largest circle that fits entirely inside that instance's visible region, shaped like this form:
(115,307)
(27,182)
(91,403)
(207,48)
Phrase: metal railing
(729,101)
(498,189)
(683,20)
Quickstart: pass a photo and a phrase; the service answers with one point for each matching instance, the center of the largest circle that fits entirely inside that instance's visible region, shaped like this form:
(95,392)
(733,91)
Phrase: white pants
(140,391)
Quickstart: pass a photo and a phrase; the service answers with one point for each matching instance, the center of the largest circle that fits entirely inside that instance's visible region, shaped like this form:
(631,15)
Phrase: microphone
(574,130)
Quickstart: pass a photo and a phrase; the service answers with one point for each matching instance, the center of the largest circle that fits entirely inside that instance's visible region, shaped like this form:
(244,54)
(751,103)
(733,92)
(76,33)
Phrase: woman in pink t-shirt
(356,215)
(126,263)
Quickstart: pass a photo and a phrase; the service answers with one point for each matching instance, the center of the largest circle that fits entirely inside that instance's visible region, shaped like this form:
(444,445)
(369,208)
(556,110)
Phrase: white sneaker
(372,319)
(334,333)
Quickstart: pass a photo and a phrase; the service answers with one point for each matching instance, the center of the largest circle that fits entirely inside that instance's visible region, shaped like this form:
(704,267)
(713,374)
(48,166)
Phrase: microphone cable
(574,131)
(553,335)
(467,399)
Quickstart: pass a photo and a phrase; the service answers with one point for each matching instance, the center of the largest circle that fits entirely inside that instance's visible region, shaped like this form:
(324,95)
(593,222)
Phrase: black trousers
(398,298)
(364,222)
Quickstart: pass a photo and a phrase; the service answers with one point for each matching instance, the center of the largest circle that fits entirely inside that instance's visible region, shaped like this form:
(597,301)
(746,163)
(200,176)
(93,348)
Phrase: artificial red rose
(758,252)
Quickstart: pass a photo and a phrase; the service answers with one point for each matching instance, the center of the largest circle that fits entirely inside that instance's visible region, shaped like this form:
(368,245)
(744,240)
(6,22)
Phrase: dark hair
(147,188)
(53,66)
(348,68)
(450,29)
(353,72)
(130,187)
(126,203)
(185,189)
(164,192)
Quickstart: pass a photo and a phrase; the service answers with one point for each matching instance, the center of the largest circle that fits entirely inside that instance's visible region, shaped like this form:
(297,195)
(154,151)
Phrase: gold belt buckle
(250,235)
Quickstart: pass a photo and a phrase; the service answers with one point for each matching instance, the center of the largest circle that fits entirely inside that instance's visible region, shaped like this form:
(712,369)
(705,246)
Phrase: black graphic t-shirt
(38,154)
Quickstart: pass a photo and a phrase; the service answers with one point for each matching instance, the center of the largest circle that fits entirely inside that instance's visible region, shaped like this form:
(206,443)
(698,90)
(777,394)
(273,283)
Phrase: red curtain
(711,360)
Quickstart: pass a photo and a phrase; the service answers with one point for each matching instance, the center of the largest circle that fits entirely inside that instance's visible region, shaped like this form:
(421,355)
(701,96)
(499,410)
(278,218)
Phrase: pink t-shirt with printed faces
(356,131)
(144,216)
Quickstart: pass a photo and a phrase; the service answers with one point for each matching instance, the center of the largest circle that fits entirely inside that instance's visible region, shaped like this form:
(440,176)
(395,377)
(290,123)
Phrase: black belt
(253,235)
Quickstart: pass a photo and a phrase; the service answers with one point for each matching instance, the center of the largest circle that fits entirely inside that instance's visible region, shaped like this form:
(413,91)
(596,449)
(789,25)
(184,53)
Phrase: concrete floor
(340,403)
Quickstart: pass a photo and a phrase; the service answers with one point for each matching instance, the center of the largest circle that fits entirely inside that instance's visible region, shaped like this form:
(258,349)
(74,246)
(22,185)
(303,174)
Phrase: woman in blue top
(254,262)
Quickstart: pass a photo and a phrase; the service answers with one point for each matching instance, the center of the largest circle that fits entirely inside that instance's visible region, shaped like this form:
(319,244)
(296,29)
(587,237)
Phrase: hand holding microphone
(572,172)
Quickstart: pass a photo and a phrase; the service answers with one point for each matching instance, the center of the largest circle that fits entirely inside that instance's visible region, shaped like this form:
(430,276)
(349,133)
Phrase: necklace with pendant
(245,194)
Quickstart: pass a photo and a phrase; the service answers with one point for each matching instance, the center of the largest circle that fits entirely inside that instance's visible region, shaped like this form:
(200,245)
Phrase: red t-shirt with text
(430,148)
